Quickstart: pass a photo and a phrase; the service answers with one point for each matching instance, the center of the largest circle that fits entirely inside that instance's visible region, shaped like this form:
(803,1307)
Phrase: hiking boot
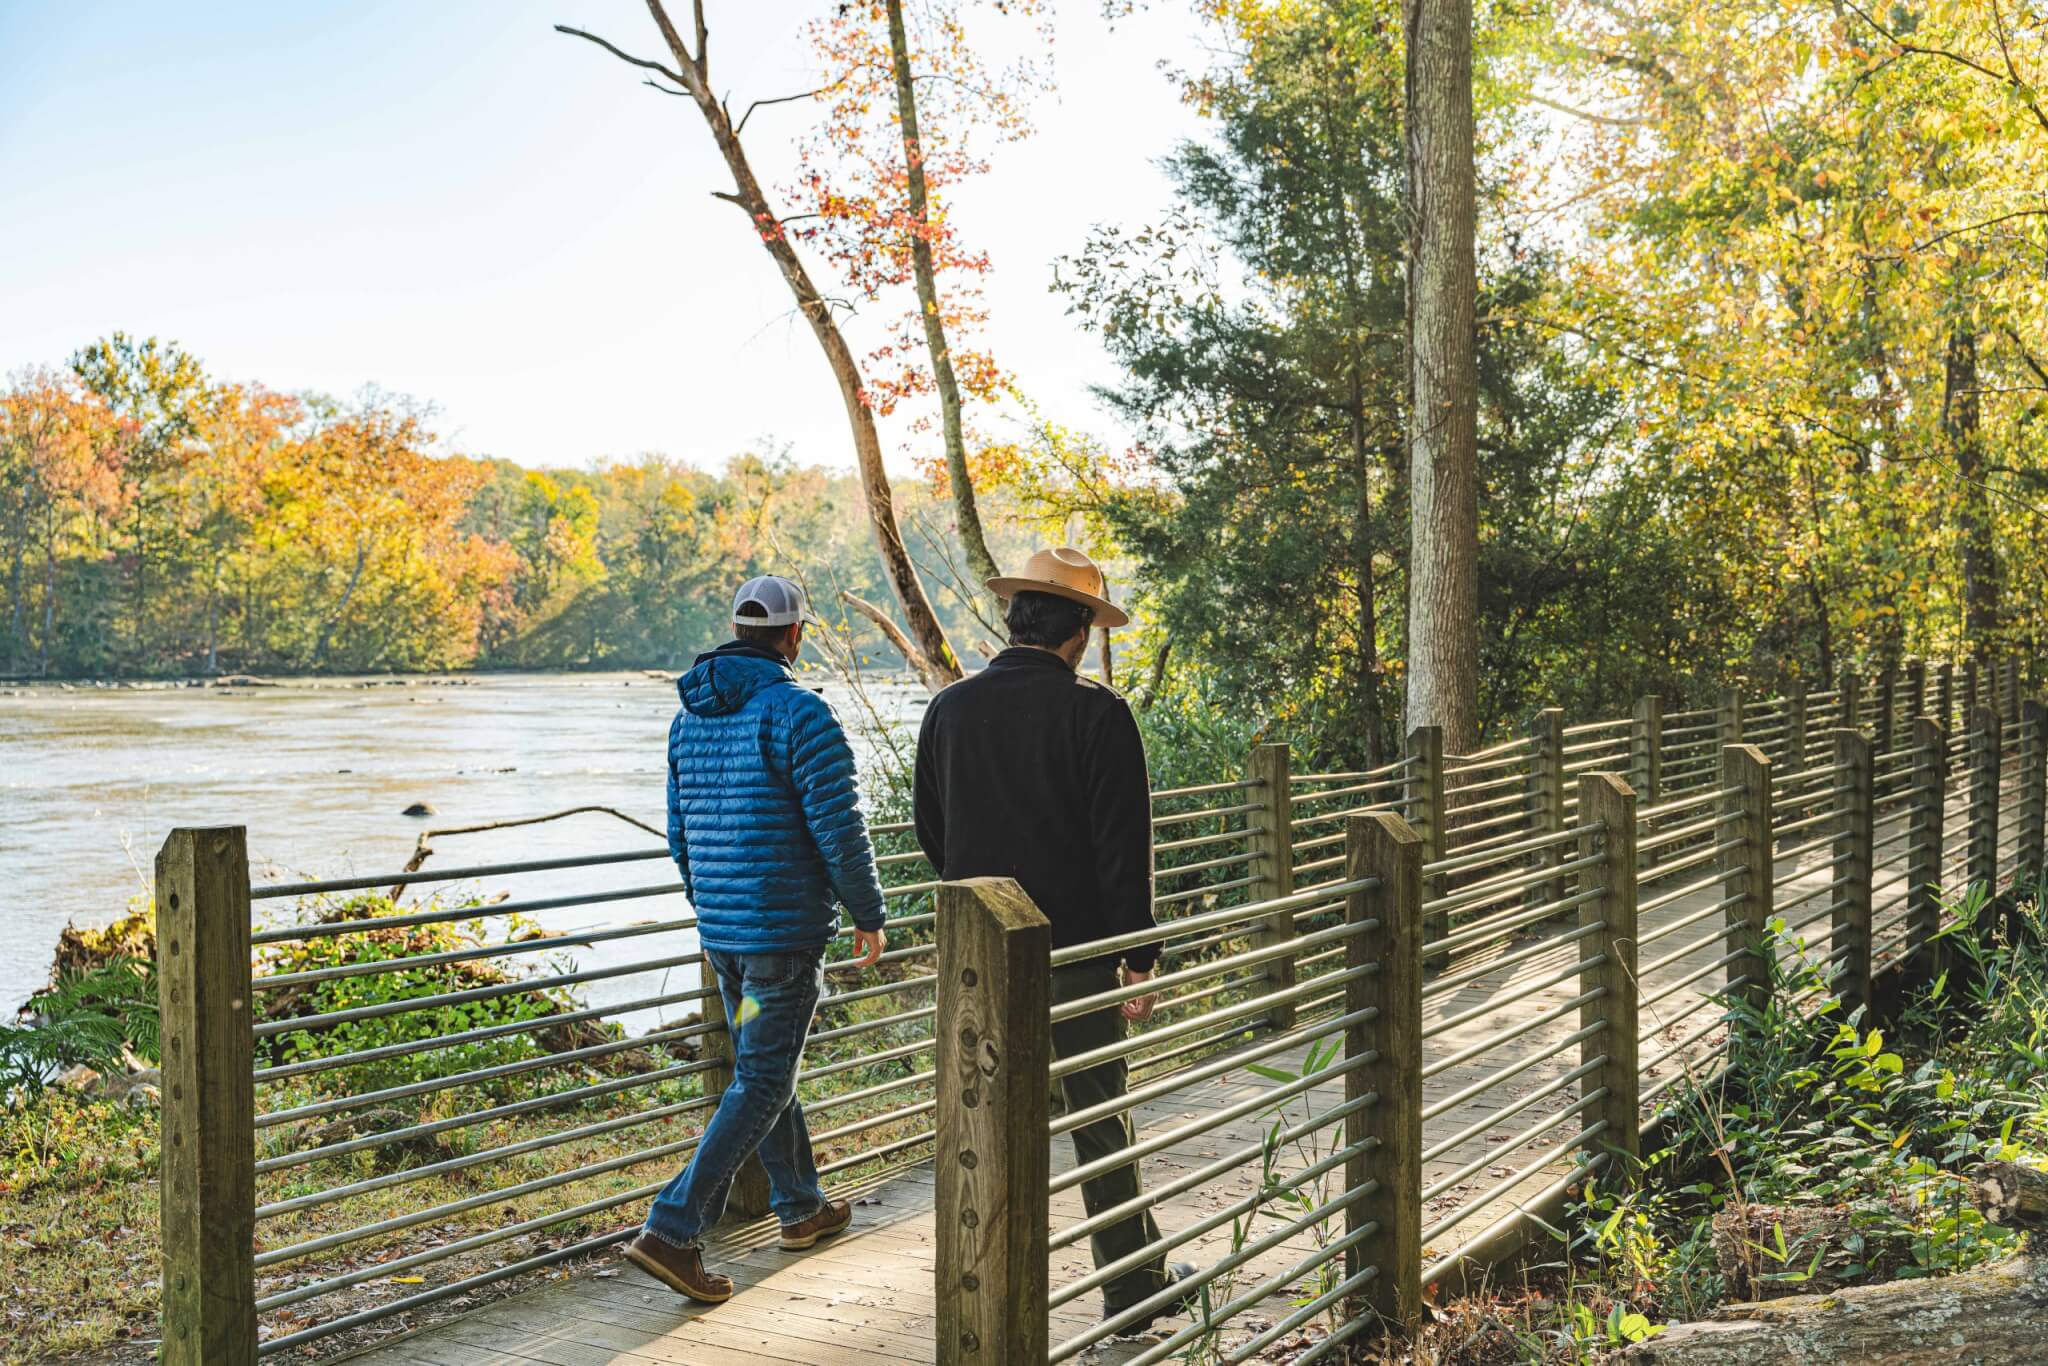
(679,1268)
(1187,1302)
(830,1219)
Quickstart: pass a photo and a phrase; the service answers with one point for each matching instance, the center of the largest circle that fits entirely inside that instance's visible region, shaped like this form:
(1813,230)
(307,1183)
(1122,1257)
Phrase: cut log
(2010,1194)
(1756,1247)
(1996,1313)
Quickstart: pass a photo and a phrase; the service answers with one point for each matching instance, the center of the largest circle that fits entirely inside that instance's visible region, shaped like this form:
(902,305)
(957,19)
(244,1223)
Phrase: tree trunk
(16,646)
(1993,1313)
(1443,407)
(940,665)
(965,512)
(2010,1194)
(933,676)
(1962,409)
(1373,722)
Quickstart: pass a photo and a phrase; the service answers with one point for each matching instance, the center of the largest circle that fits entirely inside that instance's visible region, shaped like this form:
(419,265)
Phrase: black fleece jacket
(1030,771)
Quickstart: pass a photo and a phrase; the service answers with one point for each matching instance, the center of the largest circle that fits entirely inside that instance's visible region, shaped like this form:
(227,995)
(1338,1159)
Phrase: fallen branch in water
(422,851)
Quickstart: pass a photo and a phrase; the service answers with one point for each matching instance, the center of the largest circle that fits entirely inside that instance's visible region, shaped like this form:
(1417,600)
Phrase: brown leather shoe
(836,1215)
(679,1268)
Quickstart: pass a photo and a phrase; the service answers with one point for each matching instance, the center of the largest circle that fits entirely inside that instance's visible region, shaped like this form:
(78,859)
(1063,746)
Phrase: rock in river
(418,809)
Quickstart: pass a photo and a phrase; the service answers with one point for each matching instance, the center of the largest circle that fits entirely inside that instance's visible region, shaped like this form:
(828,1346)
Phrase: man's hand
(868,946)
(1138,1007)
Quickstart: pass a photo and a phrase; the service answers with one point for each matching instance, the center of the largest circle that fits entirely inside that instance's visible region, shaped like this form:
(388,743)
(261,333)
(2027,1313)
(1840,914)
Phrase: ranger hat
(1065,573)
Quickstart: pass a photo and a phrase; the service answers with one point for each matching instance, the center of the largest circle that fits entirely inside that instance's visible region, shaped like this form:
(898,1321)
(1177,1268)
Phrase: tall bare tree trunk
(1443,406)
(930,654)
(1962,411)
(965,512)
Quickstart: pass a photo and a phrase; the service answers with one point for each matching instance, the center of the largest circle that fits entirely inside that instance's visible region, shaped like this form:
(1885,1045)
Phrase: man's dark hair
(1044,619)
(757,635)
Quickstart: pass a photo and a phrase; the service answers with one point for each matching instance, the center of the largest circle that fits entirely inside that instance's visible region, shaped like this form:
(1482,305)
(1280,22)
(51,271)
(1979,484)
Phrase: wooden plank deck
(866,1297)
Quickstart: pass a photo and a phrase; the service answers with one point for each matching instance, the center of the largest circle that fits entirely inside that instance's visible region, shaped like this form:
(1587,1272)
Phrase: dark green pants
(1082,1090)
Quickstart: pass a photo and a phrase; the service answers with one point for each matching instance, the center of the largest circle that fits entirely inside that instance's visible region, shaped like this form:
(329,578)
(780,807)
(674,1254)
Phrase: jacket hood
(727,678)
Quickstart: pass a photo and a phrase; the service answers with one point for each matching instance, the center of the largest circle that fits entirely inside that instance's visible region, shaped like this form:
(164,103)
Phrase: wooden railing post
(1924,848)
(1916,694)
(1384,847)
(1986,739)
(1728,717)
(1424,808)
(2008,686)
(208,1199)
(1792,757)
(1885,737)
(1608,964)
(748,1197)
(2033,795)
(1972,698)
(1272,849)
(1849,946)
(992,1158)
(1646,748)
(1851,688)
(1546,794)
(1747,872)
(1945,696)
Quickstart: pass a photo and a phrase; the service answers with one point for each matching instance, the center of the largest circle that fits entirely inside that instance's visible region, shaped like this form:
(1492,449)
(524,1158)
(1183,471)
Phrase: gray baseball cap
(781,601)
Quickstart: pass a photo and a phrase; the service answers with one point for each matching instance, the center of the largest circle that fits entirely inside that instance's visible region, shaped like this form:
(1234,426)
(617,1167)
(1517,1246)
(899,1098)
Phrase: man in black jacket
(1029,770)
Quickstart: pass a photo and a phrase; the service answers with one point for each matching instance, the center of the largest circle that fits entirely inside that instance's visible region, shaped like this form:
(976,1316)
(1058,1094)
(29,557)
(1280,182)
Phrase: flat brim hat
(1066,573)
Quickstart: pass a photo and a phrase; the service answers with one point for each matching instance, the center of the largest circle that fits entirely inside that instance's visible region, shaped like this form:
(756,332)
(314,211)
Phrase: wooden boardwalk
(866,1298)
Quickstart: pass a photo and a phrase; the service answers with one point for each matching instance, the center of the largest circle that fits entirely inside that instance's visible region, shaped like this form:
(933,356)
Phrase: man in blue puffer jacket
(764,821)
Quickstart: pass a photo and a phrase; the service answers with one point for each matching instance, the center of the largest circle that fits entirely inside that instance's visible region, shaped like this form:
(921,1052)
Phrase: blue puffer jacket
(764,809)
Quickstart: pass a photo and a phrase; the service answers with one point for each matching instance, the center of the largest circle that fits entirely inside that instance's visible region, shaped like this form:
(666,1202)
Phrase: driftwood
(422,851)
(1996,1313)
(2010,1194)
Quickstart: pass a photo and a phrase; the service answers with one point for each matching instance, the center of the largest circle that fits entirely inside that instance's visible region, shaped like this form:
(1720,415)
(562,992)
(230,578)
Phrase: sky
(451,201)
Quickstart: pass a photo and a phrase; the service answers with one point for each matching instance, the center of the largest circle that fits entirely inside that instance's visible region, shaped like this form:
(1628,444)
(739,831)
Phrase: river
(320,771)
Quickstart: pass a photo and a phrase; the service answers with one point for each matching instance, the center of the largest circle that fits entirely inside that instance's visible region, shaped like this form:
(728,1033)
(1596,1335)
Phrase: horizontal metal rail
(473,871)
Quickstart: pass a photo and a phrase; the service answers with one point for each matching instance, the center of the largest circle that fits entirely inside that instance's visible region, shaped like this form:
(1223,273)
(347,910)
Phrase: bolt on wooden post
(1424,807)
(1924,845)
(1385,848)
(1747,872)
(1607,961)
(208,1199)
(1272,849)
(1986,740)
(2033,795)
(1545,796)
(1646,748)
(1849,945)
(993,1157)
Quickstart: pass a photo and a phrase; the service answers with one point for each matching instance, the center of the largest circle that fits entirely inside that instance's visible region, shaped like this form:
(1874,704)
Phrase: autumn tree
(921,639)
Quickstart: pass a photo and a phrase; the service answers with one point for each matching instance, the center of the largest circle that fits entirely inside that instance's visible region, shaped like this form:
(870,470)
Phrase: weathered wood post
(2033,795)
(1646,748)
(1272,850)
(1986,739)
(1851,688)
(1972,699)
(1849,945)
(1792,756)
(1607,960)
(1945,696)
(1545,789)
(209,1098)
(1916,694)
(1424,808)
(1728,717)
(1924,846)
(992,1158)
(748,1199)
(1885,738)
(1386,848)
(1746,815)
(2009,686)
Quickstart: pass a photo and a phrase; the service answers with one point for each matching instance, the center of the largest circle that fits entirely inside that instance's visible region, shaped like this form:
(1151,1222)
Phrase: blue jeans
(759,1111)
